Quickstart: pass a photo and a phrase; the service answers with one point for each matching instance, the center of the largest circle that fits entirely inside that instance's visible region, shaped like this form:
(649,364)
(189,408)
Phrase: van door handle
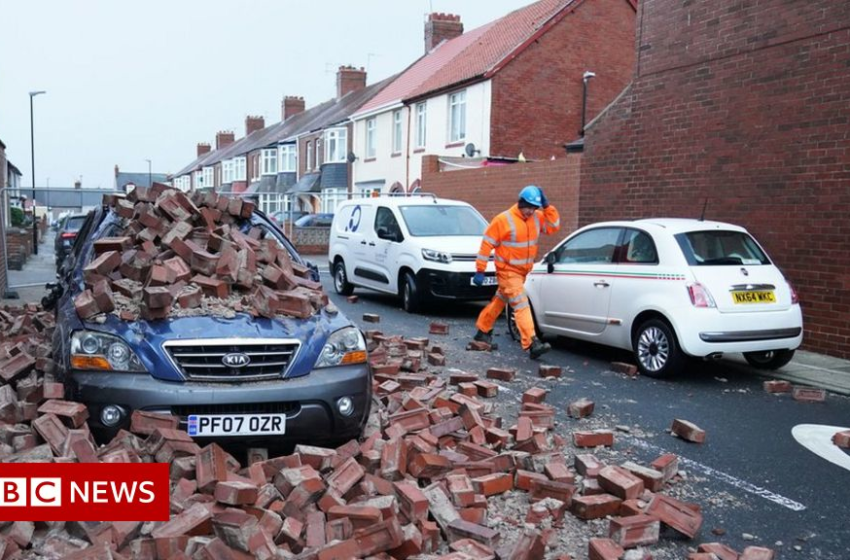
(601,284)
(371,244)
(362,242)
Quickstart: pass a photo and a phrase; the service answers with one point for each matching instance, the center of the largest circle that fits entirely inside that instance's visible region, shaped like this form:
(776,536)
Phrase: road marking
(818,439)
(725,477)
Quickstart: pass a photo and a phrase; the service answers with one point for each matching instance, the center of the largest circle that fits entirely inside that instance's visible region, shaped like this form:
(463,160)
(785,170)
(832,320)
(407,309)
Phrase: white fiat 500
(667,289)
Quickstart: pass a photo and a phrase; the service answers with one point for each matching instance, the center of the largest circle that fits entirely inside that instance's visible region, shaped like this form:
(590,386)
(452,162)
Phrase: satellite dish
(351,157)
(470,150)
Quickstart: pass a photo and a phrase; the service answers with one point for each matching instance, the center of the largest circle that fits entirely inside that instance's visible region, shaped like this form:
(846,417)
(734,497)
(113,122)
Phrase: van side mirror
(550,260)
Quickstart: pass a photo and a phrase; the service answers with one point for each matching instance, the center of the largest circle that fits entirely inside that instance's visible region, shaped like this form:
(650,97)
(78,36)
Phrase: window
(433,220)
(209,177)
(457,116)
(227,171)
(386,225)
(239,169)
(421,130)
(336,147)
(720,247)
(199,179)
(639,248)
(309,156)
(331,198)
(269,164)
(370,138)
(255,167)
(397,132)
(288,158)
(593,246)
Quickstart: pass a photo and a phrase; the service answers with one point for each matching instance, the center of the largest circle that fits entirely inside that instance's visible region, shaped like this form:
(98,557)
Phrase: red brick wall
(537,97)
(747,106)
(494,189)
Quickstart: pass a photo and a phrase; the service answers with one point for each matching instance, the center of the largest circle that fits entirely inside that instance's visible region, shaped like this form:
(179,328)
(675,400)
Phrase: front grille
(201,360)
(184,411)
(467,257)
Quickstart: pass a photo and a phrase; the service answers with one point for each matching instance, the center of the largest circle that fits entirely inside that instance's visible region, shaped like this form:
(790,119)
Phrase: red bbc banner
(84,492)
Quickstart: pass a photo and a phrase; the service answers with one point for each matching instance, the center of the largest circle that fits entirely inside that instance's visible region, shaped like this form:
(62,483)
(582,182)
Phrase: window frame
(457,123)
(336,144)
(288,154)
(308,165)
(371,140)
(421,124)
(268,161)
(397,131)
(239,168)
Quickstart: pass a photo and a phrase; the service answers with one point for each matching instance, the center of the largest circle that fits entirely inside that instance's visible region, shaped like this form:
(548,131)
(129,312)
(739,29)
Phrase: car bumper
(309,402)
(712,332)
(443,284)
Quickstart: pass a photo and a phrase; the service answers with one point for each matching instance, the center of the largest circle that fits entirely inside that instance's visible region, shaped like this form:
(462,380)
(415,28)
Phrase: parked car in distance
(420,247)
(289,380)
(66,233)
(315,220)
(282,216)
(667,289)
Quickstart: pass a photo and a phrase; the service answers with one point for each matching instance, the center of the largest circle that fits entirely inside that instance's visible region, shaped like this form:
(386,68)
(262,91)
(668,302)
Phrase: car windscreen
(74,223)
(719,248)
(436,220)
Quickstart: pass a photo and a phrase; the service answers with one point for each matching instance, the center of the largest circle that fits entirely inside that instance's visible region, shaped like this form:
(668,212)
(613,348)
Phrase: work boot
(538,348)
(487,337)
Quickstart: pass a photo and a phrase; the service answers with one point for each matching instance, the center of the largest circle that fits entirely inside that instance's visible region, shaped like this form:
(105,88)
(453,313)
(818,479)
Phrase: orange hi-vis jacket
(515,239)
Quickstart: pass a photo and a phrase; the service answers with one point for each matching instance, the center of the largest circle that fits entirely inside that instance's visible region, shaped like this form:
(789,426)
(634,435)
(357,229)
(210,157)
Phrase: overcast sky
(128,81)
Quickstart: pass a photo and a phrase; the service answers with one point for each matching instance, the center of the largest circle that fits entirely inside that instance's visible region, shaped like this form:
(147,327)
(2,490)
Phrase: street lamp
(150,181)
(32,153)
(587,76)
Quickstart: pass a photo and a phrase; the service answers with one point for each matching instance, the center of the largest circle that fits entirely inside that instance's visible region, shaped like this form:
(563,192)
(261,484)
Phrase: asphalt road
(755,483)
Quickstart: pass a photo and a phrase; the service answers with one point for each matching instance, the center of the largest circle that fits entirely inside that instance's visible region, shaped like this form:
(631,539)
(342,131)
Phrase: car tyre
(341,284)
(411,299)
(512,328)
(656,349)
(770,359)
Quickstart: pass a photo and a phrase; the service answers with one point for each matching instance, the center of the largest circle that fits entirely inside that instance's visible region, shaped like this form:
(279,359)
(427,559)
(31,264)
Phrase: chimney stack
(116,170)
(348,79)
(253,124)
(224,138)
(441,27)
(291,106)
(78,184)
(203,148)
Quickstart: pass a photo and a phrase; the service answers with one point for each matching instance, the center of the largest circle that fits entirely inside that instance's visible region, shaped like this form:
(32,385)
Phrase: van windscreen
(435,220)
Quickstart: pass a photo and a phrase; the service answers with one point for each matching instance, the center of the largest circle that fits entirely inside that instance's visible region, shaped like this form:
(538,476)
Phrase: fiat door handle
(601,284)
(362,242)
(371,244)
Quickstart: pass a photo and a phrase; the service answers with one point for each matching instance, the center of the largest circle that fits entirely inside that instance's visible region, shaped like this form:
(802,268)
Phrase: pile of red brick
(176,252)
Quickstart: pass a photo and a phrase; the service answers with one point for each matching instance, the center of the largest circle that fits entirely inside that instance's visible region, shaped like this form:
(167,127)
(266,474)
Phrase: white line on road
(727,478)
(818,439)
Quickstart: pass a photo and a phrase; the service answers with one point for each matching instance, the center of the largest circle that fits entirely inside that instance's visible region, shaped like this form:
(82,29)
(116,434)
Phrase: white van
(419,247)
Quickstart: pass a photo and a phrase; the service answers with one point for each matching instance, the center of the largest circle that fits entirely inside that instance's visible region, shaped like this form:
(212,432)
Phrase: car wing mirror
(550,259)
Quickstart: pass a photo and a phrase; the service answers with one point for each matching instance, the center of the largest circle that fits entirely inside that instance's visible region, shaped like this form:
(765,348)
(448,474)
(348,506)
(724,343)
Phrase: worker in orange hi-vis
(514,235)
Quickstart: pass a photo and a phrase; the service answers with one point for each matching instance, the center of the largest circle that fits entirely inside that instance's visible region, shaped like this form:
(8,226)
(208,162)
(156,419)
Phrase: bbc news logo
(84,492)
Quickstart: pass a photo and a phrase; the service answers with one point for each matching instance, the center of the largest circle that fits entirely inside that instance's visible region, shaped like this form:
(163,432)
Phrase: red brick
(85,305)
(559,472)
(809,394)
(595,507)
(412,501)
(103,298)
(534,395)
(429,465)
(757,553)
(675,514)
(627,369)
(652,479)
(492,484)
(777,386)
(211,287)
(620,482)
(236,493)
(525,479)
(194,521)
(667,465)
(360,516)
(546,370)
(371,318)
(157,297)
(103,264)
(542,489)
(721,551)
(487,389)
(581,408)
(688,431)
(530,546)
(75,413)
(604,549)
(842,439)
(339,529)
(438,328)
(635,530)
(345,476)
(142,422)
(461,529)
(502,374)
(190,297)
(473,549)
(593,438)
(211,467)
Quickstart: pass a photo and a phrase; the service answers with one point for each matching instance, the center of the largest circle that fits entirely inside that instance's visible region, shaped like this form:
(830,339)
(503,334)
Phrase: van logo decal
(354,220)
(236,360)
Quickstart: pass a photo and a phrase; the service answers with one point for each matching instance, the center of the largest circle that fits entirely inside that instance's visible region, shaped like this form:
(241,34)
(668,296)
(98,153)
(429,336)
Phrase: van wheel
(411,300)
(771,359)
(341,283)
(656,349)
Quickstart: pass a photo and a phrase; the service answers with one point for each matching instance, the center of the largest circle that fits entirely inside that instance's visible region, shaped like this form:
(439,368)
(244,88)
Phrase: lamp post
(32,153)
(586,78)
(150,180)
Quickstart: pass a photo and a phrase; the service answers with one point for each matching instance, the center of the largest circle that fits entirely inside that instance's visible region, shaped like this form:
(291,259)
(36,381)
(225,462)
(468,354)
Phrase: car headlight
(436,256)
(345,346)
(95,350)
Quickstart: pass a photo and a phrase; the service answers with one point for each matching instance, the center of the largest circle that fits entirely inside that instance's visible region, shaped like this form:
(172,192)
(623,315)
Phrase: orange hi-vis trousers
(511,292)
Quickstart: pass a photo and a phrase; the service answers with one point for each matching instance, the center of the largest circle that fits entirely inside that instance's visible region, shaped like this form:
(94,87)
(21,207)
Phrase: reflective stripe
(482,257)
(522,305)
(501,296)
(516,298)
(521,261)
(531,243)
(499,258)
(512,225)
(554,224)
(537,221)
(491,241)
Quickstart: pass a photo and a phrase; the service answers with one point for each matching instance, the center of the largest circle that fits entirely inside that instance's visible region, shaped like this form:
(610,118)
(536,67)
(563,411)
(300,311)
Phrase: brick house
(4,216)
(741,108)
(513,86)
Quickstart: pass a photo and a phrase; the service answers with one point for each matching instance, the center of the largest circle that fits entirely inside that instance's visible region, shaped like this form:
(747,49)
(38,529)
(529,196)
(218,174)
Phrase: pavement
(807,368)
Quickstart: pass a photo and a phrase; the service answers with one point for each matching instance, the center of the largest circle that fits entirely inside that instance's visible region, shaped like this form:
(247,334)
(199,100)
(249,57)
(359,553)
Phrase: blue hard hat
(531,195)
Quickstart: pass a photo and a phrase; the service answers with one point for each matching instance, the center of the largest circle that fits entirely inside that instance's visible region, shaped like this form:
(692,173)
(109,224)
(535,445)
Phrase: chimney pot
(254,123)
(203,148)
(224,138)
(349,79)
(290,106)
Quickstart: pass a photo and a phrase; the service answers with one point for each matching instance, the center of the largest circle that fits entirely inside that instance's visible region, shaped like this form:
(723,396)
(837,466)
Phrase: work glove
(478,279)
(543,200)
